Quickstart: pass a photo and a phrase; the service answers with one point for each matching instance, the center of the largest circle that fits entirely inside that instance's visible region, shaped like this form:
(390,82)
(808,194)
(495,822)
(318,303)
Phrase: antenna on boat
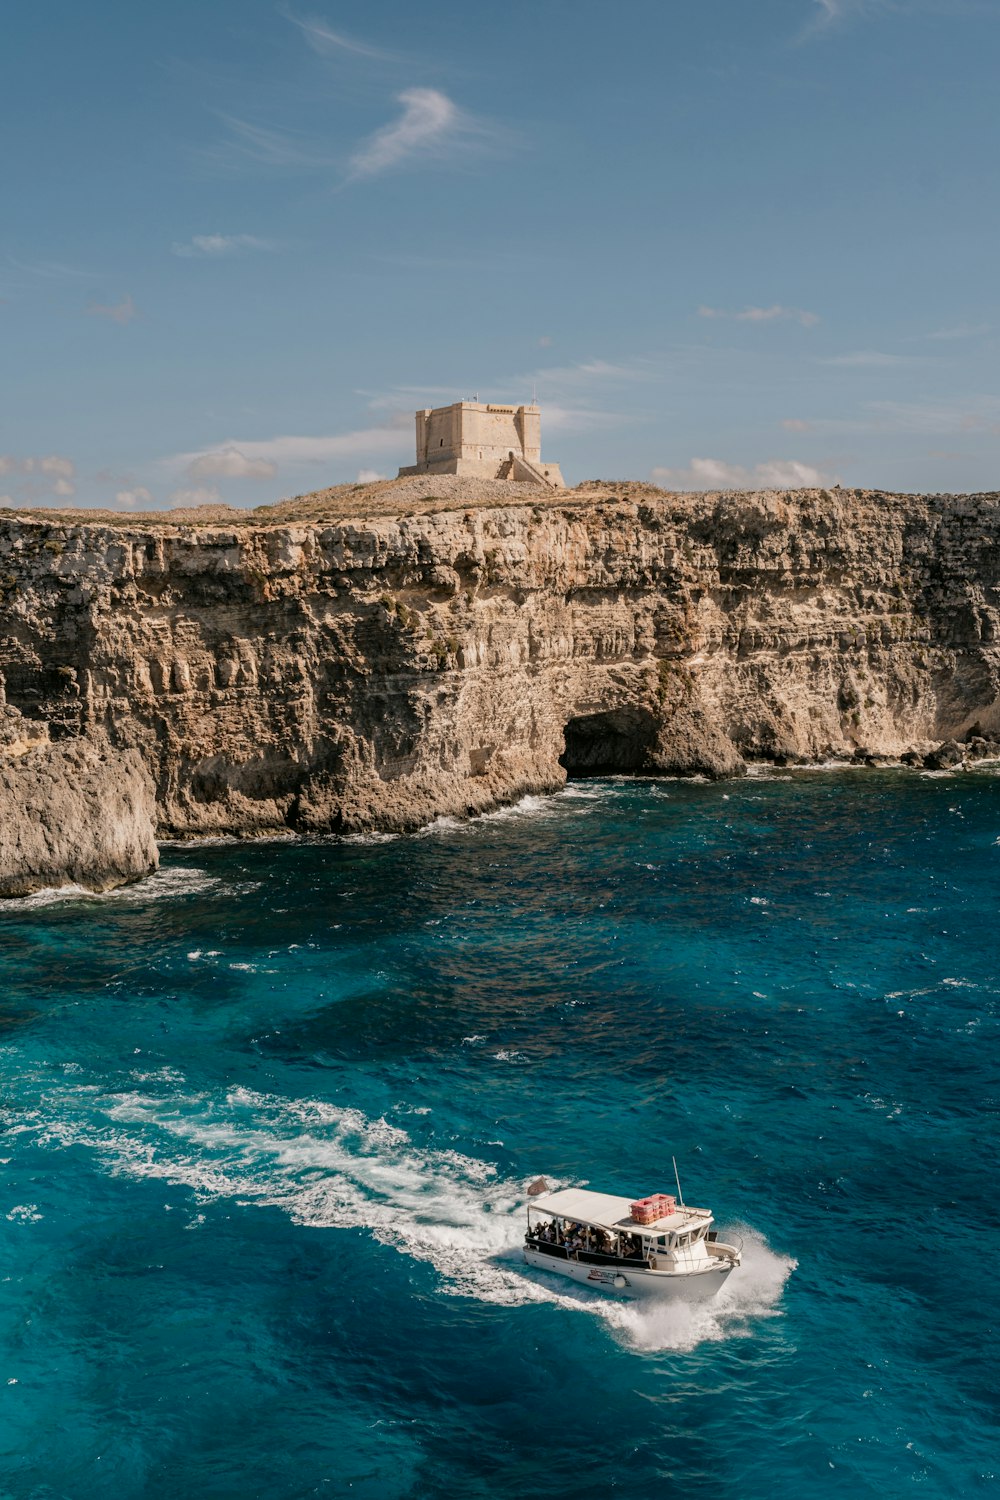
(677,1179)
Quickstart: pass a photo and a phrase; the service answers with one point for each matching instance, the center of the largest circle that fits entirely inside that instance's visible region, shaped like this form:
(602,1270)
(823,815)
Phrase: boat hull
(640,1284)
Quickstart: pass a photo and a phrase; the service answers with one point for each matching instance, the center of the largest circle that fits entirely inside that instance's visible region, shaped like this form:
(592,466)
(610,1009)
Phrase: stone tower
(489,442)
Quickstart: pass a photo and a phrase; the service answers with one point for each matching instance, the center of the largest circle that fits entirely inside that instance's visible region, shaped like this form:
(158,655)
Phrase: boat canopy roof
(609,1212)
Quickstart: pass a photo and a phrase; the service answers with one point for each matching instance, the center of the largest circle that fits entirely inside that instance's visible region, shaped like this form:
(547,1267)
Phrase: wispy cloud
(827,15)
(324,40)
(119,312)
(267,147)
(52,270)
(715,474)
(263,458)
(976,415)
(586,372)
(872,359)
(215,246)
(581,419)
(431,127)
(773,314)
(795,424)
(960,331)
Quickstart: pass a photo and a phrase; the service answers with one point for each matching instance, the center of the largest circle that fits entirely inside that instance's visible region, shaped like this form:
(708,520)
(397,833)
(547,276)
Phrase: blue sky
(725,241)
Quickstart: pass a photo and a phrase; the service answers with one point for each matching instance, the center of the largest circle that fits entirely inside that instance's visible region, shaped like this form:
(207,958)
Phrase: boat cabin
(598,1229)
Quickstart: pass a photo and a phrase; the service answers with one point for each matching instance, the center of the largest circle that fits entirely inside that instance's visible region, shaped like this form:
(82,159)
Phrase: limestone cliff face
(350,674)
(76,812)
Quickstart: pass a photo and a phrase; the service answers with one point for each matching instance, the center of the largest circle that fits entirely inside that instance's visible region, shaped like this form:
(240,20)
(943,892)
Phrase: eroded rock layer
(347,674)
(77,812)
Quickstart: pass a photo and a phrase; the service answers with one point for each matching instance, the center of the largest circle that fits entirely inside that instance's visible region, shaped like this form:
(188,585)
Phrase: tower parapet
(482,440)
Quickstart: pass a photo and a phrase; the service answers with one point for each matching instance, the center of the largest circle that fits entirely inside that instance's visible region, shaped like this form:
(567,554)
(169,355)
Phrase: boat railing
(730,1249)
(586,1257)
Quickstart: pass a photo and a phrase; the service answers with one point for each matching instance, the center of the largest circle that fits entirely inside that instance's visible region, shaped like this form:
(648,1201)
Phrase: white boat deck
(607,1211)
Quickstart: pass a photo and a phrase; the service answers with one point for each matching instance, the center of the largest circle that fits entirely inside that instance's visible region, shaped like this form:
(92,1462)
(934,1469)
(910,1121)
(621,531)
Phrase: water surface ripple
(268,1116)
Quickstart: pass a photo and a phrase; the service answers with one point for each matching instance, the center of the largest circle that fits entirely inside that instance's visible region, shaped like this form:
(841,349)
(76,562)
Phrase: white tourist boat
(653,1248)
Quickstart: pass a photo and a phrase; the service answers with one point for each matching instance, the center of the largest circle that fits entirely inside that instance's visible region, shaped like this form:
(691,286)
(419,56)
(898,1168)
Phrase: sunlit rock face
(72,813)
(378,671)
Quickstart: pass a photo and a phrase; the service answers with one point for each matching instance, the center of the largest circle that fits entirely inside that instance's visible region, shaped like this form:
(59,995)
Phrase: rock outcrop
(76,812)
(320,671)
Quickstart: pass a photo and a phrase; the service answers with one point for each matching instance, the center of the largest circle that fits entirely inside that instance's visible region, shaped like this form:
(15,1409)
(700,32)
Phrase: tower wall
(470,437)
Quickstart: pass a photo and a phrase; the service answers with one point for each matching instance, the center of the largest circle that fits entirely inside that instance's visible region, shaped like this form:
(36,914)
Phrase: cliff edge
(376,656)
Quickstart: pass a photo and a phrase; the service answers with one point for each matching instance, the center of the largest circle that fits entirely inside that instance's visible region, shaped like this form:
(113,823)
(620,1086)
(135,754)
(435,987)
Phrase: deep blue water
(268,1117)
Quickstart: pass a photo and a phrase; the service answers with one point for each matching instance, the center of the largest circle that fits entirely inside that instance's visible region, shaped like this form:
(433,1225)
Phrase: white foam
(752,1292)
(45,897)
(163,884)
(528,807)
(24,1213)
(329,1166)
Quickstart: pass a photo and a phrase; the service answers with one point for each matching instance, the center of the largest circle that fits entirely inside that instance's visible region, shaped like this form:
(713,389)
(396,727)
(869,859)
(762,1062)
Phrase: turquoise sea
(267,1119)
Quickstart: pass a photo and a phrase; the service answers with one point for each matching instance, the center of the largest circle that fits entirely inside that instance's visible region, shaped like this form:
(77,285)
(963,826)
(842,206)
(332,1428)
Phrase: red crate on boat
(645,1210)
(656,1206)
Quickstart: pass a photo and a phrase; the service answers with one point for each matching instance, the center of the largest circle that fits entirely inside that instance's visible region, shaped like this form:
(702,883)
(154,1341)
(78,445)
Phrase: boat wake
(330,1166)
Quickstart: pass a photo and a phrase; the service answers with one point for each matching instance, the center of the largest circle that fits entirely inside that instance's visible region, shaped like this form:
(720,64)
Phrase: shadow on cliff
(617,742)
(679,740)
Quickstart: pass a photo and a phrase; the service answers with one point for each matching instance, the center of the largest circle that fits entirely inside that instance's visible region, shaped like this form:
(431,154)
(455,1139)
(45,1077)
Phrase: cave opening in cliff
(616,742)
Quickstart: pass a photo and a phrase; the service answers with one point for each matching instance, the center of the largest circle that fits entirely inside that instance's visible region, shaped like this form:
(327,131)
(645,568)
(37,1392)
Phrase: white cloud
(788,473)
(49,472)
(230,462)
(293,452)
(715,474)
(369,476)
(61,468)
(776,313)
(213,246)
(120,312)
(431,125)
(138,498)
(795,424)
(200,495)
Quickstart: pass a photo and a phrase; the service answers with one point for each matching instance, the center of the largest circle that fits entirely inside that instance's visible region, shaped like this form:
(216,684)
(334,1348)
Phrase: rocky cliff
(76,812)
(302,667)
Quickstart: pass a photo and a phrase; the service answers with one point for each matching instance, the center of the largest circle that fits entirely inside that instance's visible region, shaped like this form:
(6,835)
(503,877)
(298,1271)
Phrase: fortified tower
(490,442)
